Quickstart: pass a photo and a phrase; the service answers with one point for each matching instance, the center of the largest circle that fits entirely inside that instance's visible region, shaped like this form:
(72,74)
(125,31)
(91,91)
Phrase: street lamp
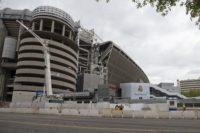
(46,51)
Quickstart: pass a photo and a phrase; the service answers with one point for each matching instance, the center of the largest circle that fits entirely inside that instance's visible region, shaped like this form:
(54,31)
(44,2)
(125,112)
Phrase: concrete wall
(103,109)
(108,113)
(22,97)
(91,81)
(89,106)
(3,33)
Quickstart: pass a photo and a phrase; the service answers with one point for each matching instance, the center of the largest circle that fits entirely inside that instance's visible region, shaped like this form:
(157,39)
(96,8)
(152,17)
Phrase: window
(171,103)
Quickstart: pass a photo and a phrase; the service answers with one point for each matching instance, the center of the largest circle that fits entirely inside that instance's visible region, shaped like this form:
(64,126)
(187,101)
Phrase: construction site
(80,60)
(50,61)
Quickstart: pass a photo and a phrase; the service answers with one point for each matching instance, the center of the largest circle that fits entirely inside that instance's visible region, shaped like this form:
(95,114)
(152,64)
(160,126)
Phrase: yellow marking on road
(100,128)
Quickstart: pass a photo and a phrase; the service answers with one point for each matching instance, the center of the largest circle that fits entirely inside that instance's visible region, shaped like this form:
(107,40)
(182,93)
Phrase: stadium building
(80,60)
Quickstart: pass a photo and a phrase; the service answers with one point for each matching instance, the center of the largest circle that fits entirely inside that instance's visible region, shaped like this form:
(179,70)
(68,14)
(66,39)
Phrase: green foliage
(164,6)
(192,93)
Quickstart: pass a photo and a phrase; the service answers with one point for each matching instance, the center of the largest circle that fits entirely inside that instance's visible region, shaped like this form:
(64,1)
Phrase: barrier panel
(83,112)
(49,111)
(138,114)
(106,113)
(189,114)
(94,113)
(151,114)
(162,107)
(70,112)
(24,110)
(198,114)
(116,113)
(176,115)
(52,105)
(5,110)
(127,114)
(163,114)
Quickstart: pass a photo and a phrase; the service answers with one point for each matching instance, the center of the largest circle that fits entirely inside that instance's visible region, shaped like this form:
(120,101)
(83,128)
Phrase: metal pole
(44,43)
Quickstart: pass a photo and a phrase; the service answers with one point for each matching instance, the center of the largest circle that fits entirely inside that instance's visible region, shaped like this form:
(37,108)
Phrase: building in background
(187,85)
(169,87)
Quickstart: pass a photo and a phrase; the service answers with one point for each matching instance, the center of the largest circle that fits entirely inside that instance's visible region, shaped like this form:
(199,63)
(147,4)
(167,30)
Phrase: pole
(47,71)
(48,84)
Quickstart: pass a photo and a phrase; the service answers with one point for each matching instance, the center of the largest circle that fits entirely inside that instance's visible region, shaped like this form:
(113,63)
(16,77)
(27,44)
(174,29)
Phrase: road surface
(32,123)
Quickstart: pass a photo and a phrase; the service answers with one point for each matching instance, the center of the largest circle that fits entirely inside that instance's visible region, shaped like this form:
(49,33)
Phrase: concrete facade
(22,96)
(91,82)
(108,61)
(3,33)
(51,24)
(74,51)
(10,29)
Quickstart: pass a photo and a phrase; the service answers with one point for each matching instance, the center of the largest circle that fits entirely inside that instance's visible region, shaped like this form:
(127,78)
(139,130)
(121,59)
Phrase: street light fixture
(48,84)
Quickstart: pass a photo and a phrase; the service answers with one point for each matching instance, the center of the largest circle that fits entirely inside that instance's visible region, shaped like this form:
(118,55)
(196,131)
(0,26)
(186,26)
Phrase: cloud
(166,48)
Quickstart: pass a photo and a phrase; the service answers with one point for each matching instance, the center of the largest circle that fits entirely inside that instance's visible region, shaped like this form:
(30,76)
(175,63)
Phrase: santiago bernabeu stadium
(83,66)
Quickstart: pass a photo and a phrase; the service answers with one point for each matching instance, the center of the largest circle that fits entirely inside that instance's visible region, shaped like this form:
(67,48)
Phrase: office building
(187,85)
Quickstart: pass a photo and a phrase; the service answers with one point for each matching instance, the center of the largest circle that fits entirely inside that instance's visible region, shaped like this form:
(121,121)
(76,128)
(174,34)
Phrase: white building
(135,90)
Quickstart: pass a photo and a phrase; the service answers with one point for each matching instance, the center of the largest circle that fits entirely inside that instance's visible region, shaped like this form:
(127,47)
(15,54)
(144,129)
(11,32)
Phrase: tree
(164,6)
(192,93)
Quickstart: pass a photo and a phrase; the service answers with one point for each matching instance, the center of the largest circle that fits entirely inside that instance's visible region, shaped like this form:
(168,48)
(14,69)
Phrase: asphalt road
(28,123)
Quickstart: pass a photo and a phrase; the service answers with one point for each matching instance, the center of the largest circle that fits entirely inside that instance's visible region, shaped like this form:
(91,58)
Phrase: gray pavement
(30,123)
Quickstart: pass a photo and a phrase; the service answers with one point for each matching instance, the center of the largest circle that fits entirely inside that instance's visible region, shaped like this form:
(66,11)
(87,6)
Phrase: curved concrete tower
(57,27)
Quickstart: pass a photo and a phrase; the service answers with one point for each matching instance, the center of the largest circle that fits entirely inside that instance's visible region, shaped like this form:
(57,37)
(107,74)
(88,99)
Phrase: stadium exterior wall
(58,30)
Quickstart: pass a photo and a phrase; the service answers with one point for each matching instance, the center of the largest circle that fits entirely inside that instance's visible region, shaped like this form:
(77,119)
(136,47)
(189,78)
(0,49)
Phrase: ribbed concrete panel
(41,72)
(41,64)
(41,81)
(53,12)
(25,48)
(33,88)
(41,56)
(51,44)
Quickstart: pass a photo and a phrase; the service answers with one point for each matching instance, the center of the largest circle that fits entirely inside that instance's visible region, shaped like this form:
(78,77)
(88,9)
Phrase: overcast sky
(166,48)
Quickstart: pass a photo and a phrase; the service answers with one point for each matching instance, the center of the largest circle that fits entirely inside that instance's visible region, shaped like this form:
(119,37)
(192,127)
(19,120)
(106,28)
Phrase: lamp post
(48,84)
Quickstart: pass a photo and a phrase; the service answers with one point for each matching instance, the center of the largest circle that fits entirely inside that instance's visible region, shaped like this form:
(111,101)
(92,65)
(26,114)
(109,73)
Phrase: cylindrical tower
(57,27)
